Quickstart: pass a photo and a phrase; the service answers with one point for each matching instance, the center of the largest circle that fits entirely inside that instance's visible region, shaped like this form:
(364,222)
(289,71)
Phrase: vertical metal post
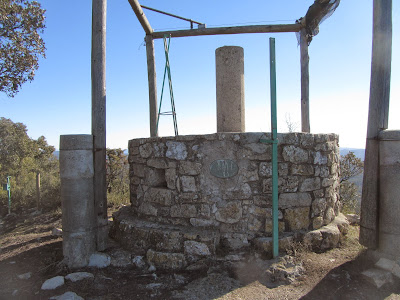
(275,231)
(99,8)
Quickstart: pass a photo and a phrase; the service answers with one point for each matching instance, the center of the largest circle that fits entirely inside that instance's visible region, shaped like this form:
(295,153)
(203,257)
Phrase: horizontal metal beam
(141,16)
(229,30)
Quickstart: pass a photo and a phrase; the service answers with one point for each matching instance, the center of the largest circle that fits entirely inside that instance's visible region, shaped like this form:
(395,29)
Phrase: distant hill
(360,153)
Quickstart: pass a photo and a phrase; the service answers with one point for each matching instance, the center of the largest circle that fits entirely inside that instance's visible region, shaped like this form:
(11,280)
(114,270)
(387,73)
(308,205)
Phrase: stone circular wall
(173,182)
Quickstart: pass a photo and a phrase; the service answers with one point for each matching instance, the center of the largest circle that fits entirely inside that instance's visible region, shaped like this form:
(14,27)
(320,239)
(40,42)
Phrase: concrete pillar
(77,199)
(389,193)
(229,61)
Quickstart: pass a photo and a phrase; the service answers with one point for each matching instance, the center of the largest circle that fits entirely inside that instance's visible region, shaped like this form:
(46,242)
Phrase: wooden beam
(152,78)
(141,16)
(99,9)
(305,82)
(229,30)
(377,120)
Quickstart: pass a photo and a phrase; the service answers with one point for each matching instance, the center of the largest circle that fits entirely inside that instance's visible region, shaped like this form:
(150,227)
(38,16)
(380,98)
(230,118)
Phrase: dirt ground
(27,245)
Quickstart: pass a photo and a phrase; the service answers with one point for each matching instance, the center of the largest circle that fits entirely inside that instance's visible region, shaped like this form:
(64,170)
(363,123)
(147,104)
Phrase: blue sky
(58,100)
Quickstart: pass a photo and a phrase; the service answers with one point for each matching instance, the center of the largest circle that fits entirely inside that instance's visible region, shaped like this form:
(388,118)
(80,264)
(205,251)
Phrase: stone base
(329,236)
(179,247)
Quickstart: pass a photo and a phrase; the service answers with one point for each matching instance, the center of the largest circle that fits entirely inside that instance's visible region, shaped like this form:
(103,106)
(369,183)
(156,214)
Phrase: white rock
(56,232)
(152,286)
(353,219)
(25,275)
(79,276)
(139,262)
(196,248)
(152,268)
(389,265)
(378,277)
(53,283)
(99,260)
(67,296)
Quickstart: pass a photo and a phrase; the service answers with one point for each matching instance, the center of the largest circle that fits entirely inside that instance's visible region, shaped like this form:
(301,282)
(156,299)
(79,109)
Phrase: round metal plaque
(224,168)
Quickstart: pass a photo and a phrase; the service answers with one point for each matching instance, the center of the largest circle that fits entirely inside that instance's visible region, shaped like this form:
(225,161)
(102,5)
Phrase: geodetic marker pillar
(229,61)
(77,200)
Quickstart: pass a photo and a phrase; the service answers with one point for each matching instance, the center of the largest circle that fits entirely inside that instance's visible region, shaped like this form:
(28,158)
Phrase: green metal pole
(275,231)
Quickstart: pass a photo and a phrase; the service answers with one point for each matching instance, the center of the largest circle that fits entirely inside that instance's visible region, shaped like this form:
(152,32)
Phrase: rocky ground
(31,253)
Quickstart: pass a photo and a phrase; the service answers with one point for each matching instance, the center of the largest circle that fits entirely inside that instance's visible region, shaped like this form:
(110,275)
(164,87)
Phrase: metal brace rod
(172,15)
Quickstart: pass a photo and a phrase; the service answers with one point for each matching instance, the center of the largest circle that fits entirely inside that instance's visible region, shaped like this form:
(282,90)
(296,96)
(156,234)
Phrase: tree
(117,167)
(292,126)
(21,23)
(22,158)
(350,166)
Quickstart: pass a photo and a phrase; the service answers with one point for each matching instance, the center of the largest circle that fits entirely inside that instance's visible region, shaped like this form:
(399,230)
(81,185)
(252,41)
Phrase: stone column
(77,199)
(229,61)
(389,193)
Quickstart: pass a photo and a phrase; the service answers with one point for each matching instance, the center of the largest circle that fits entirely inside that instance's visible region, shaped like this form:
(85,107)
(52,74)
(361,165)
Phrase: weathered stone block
(147,209)
(310,184)
(307,140)
(193,248)
(328,181)
(189,168)
(157,163)
(294,154)
(138,170)
(145,150)
(291,138)
(249,175)
(183,211)
(196,222)
(297,218)
(265,169)
(163,260)
(155,177)
(294,200)
(320,159)
(234,241)
(269,227)
(329,215)
(304,170)
(254,224)
(161,196)
(188,184)
(204,210)
(322,171)
(285,184)
(319,193)
(258,148)
(258,211)
(170,178)
(318,207)
(176,150)
(317,222)
(229,212)
(330,237)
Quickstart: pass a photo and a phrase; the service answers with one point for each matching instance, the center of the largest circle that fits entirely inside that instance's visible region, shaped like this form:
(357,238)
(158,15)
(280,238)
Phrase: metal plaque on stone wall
(224,168)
